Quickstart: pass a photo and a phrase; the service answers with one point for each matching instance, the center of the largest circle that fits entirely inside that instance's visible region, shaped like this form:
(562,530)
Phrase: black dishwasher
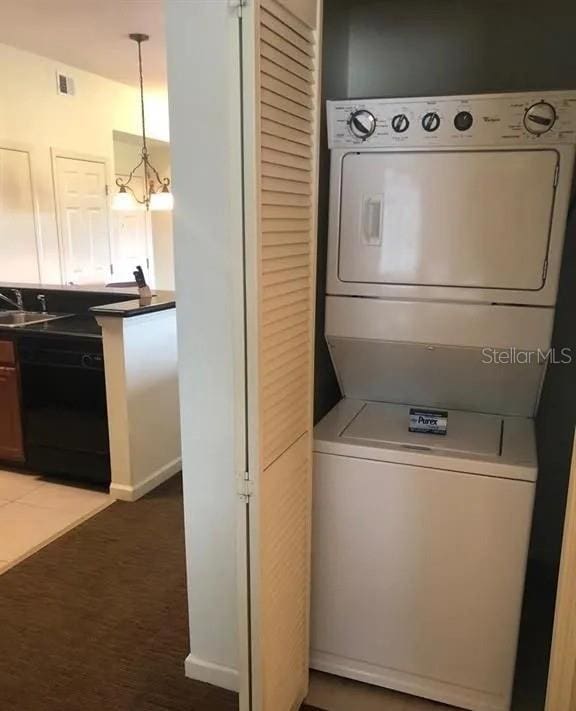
(64,407)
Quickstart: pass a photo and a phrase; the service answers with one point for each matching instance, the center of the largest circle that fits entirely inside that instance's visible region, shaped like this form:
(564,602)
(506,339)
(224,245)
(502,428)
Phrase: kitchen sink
(14,319)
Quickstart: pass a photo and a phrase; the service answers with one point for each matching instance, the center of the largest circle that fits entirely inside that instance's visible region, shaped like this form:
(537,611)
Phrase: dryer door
(463,219)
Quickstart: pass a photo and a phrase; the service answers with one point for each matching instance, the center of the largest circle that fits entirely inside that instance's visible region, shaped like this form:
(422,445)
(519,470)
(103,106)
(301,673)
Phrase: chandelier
(157,195)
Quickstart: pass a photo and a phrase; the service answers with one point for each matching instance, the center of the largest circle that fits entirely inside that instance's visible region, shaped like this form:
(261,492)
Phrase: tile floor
(334,693)
(35,511)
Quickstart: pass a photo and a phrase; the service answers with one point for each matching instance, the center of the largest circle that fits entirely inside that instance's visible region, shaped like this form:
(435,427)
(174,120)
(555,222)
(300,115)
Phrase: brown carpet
(97,621)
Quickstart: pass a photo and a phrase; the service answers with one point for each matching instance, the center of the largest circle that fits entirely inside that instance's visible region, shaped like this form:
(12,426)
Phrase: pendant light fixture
(157,195)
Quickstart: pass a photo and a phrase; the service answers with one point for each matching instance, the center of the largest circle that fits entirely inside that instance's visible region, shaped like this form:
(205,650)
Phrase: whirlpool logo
(518,356)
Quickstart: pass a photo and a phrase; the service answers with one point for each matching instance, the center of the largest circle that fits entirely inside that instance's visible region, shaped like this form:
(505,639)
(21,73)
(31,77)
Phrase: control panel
(507,119)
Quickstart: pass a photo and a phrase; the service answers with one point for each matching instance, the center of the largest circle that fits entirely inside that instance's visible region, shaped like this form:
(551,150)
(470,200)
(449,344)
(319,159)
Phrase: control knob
(431,121)
(362,123)
(463,120)
(540,118)
(400,123)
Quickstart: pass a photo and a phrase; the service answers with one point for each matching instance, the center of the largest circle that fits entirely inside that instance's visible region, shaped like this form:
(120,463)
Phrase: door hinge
(557,174)
(238,5)
(545,272)
(245,489)
(111,269)
(106,190)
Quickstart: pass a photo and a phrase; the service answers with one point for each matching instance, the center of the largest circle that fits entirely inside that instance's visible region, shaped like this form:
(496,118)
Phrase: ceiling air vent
(65,84)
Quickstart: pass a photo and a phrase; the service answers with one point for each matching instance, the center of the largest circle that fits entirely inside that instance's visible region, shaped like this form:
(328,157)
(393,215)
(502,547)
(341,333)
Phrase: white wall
(35,117)
(206,165)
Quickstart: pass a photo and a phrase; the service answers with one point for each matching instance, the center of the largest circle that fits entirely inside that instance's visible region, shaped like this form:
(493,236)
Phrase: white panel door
(130,237)
(475,219)
(83,220)
(18,238)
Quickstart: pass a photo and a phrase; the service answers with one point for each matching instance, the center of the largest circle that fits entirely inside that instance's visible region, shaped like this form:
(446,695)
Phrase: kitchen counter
(77,325)
(159,301)
(141,363)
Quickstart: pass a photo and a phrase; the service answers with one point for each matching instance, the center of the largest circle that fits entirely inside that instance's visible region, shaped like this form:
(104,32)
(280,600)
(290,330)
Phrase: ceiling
(91,35)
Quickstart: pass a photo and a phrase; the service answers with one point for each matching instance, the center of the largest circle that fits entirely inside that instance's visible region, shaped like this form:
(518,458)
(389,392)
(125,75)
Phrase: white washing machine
(419,551)
(447,220)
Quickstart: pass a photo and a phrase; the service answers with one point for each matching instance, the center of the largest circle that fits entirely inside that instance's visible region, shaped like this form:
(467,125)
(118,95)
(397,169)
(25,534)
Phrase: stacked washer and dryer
(447,222)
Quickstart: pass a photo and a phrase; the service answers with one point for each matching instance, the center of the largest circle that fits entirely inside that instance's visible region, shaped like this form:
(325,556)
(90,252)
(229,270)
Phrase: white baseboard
(126,492)
(201,670)
(461,697)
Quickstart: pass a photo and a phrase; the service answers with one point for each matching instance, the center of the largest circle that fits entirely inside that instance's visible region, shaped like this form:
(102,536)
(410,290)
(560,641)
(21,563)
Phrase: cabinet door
(281,98)
(11,446)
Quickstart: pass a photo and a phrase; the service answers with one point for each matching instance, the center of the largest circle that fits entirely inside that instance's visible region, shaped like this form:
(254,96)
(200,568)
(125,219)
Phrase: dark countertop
(80,326)
(84,303)
(160,301)
(72,288)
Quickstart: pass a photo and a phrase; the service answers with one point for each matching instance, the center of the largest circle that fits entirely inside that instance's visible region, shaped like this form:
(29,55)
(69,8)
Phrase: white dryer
(447,220)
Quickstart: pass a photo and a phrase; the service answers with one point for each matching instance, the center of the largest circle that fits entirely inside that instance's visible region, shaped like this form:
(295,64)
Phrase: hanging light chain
(163,183)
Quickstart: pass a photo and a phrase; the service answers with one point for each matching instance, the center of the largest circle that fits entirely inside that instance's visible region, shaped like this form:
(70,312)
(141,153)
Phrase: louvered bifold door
(281,111)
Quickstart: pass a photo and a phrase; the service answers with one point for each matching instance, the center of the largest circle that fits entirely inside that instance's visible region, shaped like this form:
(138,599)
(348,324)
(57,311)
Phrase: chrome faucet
(18,304)
(18,297)
(42,299)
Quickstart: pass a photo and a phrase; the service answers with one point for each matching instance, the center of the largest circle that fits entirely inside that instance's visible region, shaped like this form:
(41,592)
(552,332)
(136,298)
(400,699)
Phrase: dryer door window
(478,219)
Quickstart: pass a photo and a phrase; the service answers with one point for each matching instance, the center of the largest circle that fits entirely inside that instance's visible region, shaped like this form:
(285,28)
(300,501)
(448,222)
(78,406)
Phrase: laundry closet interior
(430,483)
(386,347)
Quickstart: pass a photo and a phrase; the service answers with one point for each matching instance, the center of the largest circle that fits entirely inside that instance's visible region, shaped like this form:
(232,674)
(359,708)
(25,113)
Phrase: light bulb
(162,201)
(124,201)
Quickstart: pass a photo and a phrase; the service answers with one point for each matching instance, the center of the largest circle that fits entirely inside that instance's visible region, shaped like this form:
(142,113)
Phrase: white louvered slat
(273,59)
(286,119)
(273,238)
(272,197)
(289,134)
(273,170)
(297,384)
(284,307)
(285,250)
(269,140)
(288,375)
(282,338)
(280,212)
(285,159)
(282,29)
(302,226)
(294,260)
(285,186)
(278,327)
(281,74)
(285,293)
(289,51)
(269,98)
(284,275)
(292,19)
(282,89)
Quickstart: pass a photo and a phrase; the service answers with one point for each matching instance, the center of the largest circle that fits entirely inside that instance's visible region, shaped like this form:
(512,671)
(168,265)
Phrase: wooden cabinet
(11,444)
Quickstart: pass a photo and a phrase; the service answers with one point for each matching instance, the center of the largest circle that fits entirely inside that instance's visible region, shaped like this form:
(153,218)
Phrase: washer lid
(468,432)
